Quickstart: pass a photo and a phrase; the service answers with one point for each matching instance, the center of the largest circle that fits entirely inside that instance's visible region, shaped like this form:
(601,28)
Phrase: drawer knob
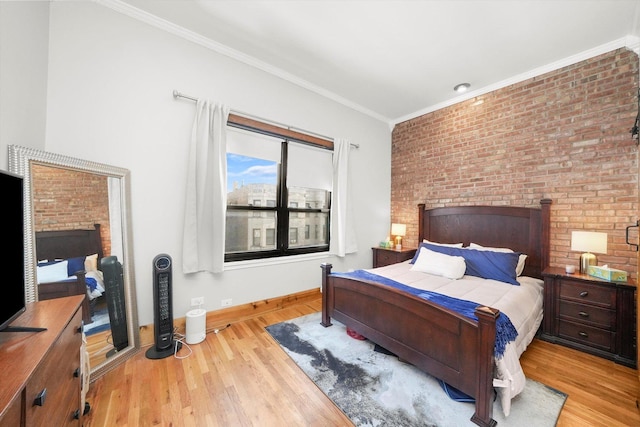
(583,314)
(76,373)
(40,398)
(76,414)
(584,294)
(583,334)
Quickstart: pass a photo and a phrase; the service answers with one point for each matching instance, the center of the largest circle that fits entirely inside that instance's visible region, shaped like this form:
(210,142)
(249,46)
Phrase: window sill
(237,265)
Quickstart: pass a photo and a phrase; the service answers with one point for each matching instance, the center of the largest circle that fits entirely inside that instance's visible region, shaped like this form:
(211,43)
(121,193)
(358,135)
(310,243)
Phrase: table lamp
(588,242)
(398,230)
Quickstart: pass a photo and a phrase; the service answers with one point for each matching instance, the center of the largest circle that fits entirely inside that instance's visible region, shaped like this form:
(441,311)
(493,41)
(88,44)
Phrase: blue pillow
(486,264)
(75,264)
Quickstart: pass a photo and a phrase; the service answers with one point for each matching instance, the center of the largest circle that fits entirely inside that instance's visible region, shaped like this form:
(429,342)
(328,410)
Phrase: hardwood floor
(241,377)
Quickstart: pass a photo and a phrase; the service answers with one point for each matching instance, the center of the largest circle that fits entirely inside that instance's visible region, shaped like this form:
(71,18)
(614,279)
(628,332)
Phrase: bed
(68,263)
(438,340)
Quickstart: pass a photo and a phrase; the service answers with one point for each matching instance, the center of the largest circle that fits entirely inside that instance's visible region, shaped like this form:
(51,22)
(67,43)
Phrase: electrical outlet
(196,302)
(226,302)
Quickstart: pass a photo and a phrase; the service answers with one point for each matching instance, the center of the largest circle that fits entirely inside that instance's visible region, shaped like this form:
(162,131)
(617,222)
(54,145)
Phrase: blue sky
(249,170)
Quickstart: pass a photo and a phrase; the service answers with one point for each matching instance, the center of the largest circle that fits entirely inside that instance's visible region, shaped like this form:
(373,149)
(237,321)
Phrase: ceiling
(395,60)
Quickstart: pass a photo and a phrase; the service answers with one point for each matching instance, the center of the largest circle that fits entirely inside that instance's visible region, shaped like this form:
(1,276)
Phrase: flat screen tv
(13,296)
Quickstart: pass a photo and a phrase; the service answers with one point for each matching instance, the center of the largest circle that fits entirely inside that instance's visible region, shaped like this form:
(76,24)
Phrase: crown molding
(629,42)
(177,30)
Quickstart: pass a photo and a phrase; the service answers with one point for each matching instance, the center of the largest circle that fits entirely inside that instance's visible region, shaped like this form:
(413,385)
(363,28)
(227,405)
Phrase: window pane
(316,221)
(245,232)
(250,181)
(308,197)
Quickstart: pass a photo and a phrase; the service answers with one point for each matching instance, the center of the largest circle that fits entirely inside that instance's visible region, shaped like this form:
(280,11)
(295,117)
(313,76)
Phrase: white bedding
(97,275)
(522,304)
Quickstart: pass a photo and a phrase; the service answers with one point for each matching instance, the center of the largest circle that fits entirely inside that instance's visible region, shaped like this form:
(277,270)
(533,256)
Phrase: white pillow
(52,272)
(451,245)
(521,259)
(452,267)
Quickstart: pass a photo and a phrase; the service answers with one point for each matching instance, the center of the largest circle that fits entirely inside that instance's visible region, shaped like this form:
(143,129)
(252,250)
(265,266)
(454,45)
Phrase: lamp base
(587,259)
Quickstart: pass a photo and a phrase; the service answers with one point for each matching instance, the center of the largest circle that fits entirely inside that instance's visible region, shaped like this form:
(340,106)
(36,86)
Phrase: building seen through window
(278,197)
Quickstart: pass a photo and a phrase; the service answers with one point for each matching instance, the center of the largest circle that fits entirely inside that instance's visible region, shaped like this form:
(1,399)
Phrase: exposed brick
(563,135)
(65,199)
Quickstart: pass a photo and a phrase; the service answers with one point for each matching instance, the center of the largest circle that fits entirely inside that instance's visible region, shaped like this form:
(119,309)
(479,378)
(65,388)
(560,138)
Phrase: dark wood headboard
(525,230)
(65,244)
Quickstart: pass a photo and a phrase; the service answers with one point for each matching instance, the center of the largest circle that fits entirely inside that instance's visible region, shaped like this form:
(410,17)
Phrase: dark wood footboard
(438,341)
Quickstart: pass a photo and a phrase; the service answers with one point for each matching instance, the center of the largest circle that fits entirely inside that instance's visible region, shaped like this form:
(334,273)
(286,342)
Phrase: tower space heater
(165,345)
(114,292)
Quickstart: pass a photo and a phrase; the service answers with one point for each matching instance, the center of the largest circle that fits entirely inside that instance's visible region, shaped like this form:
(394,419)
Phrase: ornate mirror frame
(20,161)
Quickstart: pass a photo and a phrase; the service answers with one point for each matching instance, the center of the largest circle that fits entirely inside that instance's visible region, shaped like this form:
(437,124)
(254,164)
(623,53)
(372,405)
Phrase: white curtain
(206,202)
(343,236)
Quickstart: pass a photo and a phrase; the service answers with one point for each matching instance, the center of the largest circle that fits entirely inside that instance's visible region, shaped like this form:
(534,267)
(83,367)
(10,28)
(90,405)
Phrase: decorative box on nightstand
(590,314)
(386,256)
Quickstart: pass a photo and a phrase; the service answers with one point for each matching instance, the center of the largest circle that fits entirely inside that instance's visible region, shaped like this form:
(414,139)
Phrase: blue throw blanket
(505,331)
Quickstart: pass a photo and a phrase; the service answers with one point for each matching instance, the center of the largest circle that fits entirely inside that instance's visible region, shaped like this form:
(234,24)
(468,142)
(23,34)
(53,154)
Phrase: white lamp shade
(589,241)
(398,229)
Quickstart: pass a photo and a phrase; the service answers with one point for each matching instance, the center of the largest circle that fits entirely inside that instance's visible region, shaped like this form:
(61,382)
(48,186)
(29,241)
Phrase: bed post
(422,233)
(484,392)
(545,205)
(326,270)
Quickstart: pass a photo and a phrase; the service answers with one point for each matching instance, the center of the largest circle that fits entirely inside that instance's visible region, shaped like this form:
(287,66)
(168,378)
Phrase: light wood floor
(241,377)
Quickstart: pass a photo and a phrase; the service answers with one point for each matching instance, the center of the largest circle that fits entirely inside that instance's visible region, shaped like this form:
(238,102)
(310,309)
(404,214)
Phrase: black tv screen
(13,298)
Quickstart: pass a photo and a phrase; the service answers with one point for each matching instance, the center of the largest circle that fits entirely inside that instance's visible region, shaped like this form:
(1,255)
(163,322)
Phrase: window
(279,188)
(293,235)
(271,236)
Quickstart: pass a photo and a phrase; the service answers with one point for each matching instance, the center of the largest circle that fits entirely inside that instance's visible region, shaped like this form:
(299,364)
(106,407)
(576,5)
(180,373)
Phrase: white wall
(109,100)
(24,41)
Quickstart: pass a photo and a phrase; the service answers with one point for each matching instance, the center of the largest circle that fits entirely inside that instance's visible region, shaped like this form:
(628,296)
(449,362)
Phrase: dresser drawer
(588,314)
(56,379)
(12,415)
(586,293)
(587,335)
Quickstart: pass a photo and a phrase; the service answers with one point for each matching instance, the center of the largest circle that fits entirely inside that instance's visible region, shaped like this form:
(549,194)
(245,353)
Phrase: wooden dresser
(384,256)
(41,376)
(590,314)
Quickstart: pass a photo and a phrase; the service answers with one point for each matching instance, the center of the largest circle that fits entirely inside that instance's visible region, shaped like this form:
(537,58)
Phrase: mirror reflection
(79,224)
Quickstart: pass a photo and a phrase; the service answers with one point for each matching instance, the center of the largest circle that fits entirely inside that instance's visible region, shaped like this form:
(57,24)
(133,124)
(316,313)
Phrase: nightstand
(590,314)
(384,256)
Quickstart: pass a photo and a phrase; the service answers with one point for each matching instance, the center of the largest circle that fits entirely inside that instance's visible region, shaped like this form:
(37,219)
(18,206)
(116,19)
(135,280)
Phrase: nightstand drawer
(386,258)
(588,294)
(583,313)
(587,335)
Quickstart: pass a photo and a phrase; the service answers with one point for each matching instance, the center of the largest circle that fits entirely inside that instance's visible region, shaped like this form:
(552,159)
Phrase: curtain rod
(177,95)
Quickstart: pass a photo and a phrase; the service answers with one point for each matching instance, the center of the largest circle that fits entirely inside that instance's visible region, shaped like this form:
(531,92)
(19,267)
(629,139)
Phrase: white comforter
(522,304)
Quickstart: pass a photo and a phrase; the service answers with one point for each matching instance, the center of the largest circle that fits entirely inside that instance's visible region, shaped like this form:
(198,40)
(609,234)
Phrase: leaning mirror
(77,240)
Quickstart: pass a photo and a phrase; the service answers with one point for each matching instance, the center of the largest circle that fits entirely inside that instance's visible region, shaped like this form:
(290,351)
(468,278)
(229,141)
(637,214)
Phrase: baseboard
(218,319)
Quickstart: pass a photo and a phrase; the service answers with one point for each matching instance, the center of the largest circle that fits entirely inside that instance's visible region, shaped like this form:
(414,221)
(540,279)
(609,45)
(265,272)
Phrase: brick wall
(563,135)
(65,199)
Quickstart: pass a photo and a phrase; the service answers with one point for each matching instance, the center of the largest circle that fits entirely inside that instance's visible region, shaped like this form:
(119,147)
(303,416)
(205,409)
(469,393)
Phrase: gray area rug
(375,389)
